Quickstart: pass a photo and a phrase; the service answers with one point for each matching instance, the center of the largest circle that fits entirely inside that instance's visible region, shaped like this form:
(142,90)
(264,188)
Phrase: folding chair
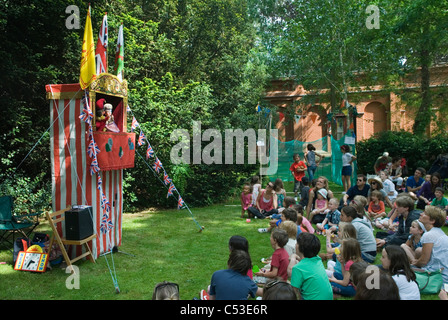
(11,224)
(59,216)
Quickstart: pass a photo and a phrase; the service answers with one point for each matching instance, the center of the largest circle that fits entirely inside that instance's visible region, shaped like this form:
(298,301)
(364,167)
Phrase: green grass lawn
(165,245)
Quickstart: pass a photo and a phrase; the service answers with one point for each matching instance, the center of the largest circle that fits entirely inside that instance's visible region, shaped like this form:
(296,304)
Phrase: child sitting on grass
(281,193)
(233,283)
(291,229)
(289,214)
(321,203)
(332,218)
(413,246)
(303,224)
(255,186)
(289,202)
(440,201)
(395,261)
(237,242)
(376,208)
(279,260)
(346,230)
(350,252)
(307,271)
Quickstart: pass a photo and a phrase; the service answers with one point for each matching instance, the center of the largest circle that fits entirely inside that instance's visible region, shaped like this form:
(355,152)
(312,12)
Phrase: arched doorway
(375,119)
(312,126)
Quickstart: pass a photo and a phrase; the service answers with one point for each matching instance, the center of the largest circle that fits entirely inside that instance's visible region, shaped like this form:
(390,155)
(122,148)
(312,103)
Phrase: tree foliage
(422,26)
(418,151)
(184,61)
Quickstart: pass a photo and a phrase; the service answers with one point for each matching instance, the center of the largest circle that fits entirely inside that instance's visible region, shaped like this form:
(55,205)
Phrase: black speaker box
(78,223)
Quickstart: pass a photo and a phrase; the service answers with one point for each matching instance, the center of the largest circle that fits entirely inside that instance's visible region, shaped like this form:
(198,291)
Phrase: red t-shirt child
(298,175)
(280,260)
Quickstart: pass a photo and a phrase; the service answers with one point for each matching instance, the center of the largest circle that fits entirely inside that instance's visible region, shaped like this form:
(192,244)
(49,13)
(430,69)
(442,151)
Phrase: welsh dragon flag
(119,54)
(101,48)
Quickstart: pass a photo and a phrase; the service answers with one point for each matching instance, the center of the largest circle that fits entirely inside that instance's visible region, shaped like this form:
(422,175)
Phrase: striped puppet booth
(90,147)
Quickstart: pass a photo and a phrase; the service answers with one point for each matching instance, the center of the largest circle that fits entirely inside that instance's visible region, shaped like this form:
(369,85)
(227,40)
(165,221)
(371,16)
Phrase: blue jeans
(369,256)
(347,291)
(311,171)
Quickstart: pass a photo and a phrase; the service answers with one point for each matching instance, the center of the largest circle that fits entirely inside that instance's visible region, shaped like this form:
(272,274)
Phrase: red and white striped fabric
(72,183)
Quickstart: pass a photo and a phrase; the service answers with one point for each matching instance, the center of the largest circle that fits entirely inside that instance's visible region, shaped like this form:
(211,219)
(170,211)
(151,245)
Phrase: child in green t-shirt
(440,201)
(308,275)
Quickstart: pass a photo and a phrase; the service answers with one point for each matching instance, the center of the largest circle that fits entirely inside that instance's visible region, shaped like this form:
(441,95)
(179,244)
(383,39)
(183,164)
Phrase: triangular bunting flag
(166,179)
(157,165)
(141,138)
(171,189)
(180,203)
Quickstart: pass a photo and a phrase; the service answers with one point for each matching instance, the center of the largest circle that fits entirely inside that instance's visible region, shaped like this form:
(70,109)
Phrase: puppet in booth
(100,120)
(110,123)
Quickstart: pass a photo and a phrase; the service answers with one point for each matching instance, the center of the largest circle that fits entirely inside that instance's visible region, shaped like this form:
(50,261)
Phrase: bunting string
(92,150)
(158,169)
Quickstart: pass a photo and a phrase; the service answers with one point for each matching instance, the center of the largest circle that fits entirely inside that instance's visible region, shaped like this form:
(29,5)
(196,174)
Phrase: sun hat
(323,192)
(377,180)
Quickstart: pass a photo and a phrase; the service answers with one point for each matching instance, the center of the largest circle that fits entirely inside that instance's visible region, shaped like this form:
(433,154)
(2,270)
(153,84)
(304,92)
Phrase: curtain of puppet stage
(72,183)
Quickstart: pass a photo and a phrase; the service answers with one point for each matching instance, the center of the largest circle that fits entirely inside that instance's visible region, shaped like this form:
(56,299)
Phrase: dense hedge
(418,151)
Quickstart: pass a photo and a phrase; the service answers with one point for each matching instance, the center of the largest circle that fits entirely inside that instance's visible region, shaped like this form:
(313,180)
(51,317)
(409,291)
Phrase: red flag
(101,48)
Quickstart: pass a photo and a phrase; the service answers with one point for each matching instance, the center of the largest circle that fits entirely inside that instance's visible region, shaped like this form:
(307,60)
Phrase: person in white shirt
(434,242)
(396,262)
(388,186)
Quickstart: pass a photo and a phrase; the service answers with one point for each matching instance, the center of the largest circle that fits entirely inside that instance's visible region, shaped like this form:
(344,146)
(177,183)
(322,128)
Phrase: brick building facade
(377,110)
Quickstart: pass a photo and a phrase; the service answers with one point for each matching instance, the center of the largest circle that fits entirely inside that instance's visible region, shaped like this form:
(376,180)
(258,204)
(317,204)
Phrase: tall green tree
(321,44)
(36,49)
(422,27)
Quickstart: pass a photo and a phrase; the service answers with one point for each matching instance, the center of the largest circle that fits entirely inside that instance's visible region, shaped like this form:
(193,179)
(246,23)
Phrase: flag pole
(107,48)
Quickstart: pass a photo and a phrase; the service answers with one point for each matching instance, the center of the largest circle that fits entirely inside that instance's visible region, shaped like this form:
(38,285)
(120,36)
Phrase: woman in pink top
(266,204)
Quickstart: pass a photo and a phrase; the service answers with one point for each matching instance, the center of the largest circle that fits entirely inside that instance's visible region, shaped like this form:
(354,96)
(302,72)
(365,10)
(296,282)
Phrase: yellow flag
(88,70)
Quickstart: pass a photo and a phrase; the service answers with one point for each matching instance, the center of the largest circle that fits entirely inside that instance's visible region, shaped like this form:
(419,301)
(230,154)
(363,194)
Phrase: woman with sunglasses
(266,203)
